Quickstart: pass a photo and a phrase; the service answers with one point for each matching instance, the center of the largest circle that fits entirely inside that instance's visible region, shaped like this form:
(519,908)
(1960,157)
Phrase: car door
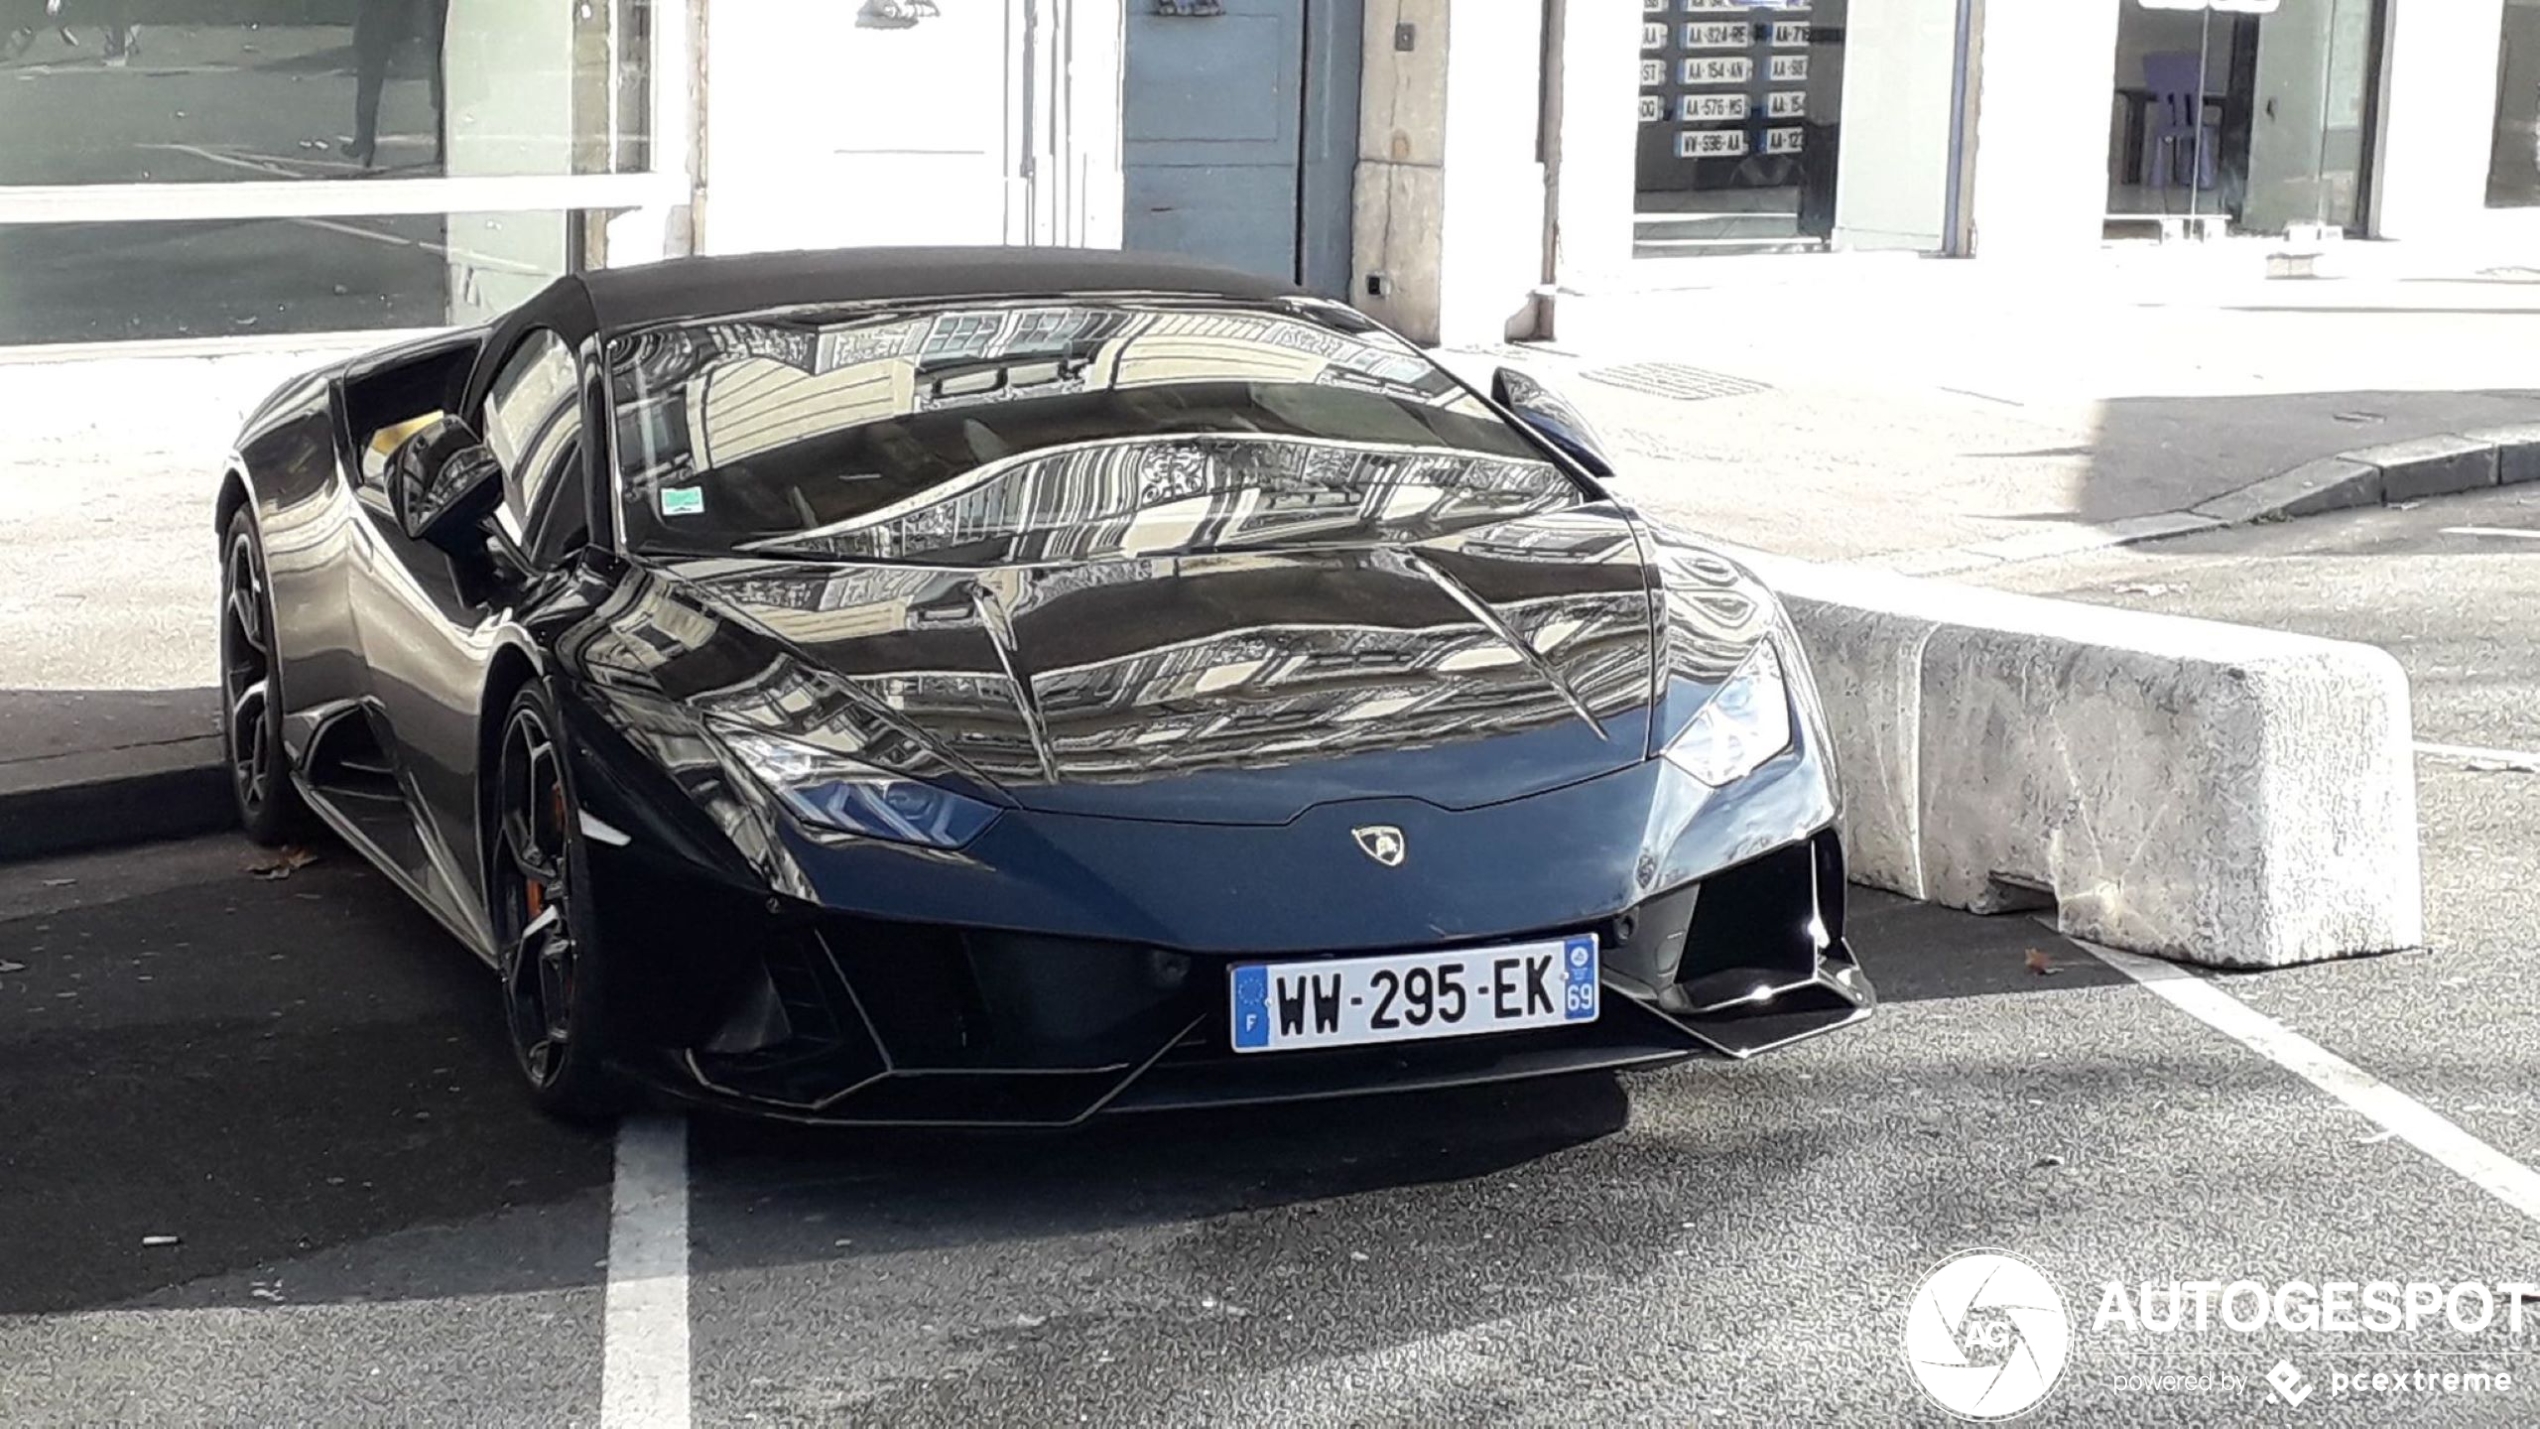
(431,622)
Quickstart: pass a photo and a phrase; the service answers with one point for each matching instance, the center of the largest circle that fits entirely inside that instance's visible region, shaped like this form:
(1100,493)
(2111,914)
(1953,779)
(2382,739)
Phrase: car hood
(1230,688)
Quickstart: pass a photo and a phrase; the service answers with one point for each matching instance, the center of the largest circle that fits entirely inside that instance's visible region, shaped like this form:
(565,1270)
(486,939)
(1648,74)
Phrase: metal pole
(2196,109)
(2328,72)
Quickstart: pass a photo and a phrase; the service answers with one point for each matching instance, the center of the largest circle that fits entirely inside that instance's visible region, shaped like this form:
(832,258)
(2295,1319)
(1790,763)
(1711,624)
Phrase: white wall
(1892,178)
(1450,197)
(2438,111)
(1596,128)
(2041,179)
(819,131)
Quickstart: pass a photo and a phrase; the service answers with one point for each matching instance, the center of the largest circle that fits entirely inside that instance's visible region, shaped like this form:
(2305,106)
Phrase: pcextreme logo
(1986,1335)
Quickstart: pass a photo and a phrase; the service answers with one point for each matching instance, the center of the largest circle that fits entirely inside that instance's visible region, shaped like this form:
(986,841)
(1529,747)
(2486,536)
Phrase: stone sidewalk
(1928,417)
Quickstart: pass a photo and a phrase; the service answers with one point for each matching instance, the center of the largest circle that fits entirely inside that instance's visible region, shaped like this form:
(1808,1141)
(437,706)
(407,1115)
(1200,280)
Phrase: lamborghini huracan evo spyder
(998,686)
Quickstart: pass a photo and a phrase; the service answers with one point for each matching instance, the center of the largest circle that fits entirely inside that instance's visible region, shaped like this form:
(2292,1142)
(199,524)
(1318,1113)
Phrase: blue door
(1242,118)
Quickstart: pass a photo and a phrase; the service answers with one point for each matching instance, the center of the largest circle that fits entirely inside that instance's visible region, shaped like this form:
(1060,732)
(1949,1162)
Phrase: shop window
(2513,166)
(1738,106)
(98,282)
(243,168)
(2242,115)
(255,91)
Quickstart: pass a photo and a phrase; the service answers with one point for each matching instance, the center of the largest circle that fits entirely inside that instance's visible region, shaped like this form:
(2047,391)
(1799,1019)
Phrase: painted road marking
(644,1338)
(2511,532)
(2478,753)
(2412,1121)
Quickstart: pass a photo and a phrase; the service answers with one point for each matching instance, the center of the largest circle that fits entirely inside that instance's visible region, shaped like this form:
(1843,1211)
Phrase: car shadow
(305,1074)
(259,1067)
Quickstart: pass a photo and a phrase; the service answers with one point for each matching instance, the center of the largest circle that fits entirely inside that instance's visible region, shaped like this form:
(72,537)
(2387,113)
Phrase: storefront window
(1738,101)
(244,168)
(99,282)
(2242,115)
(2513,166)
(166,91)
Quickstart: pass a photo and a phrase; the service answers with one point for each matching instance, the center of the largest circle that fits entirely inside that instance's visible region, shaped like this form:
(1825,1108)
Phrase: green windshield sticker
(683,501)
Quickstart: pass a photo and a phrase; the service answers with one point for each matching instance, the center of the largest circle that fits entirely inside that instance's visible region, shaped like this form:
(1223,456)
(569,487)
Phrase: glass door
(2243,116)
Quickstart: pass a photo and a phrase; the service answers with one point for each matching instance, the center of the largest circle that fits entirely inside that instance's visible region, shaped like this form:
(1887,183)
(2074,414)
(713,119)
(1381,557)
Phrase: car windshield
(990,433)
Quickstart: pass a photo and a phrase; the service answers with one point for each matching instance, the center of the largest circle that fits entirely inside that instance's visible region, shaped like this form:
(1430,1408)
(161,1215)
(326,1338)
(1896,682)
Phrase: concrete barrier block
(2431,466)
(2517,452)
(2211,793)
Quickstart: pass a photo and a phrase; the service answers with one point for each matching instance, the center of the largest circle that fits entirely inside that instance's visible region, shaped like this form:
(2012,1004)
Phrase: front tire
(553,977)
(269,806)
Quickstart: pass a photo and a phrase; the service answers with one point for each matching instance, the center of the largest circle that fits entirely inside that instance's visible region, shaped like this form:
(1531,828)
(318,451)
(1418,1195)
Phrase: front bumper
(786,1008)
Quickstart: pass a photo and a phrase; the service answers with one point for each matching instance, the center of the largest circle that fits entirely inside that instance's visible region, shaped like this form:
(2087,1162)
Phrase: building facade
(234,174)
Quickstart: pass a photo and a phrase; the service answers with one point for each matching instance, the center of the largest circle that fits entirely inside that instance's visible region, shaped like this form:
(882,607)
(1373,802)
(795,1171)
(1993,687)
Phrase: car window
(533,423)
(982,434)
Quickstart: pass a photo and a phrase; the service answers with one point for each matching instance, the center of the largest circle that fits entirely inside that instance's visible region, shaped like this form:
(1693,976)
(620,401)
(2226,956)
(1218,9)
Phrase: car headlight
(832,791)
(1746,723)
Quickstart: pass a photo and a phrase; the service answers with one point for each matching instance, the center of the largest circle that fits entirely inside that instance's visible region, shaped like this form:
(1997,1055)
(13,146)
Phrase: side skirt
(351,833)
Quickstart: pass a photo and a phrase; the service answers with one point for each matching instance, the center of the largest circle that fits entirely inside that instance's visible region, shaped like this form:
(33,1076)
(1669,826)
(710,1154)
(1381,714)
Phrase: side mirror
(442,481)
(1551,417)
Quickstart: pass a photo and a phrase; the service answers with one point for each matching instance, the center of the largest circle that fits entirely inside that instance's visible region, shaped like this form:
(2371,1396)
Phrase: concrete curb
(2389,475)
(115,796)
(2211,793)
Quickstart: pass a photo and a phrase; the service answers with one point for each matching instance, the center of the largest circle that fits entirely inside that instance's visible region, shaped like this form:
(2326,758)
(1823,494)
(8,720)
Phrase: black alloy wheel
(269,807)
(550,963)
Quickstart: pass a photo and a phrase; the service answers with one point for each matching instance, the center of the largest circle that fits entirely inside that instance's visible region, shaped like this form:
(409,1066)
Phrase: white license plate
(1342,1002)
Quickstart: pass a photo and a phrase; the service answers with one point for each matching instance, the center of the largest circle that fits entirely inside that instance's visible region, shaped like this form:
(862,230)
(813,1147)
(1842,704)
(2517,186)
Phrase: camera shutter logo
(1986,1335)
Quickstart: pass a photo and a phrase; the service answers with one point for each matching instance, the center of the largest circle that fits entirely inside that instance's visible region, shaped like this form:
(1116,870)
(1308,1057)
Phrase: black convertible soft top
(615,300)
(684,288)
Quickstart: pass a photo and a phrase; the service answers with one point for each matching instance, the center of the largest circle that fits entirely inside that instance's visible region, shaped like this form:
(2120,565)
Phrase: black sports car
(1002,686)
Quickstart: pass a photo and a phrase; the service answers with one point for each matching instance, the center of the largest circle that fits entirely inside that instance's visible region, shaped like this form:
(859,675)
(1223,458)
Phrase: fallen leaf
(155,1241)
(2373,1138)
(2043,1162)
(2405,505)
(286,861)
(59,882)
(2148,589)
(2041,964)
(10,967)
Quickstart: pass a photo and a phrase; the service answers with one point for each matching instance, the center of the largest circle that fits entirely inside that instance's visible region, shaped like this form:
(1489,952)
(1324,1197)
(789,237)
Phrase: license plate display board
(1714,74)
(1344,1002)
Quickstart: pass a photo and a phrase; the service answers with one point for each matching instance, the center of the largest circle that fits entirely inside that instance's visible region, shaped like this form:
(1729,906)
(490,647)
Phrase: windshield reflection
(982,435)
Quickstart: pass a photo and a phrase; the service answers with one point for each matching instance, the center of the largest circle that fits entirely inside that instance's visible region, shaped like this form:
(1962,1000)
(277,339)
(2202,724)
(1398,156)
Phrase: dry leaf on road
(2041,964)
(286,861)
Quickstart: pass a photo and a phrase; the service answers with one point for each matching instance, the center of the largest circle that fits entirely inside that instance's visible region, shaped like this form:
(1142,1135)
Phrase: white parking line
(2513,532)
(644,1339)
(2478,752)
(2412,1121)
